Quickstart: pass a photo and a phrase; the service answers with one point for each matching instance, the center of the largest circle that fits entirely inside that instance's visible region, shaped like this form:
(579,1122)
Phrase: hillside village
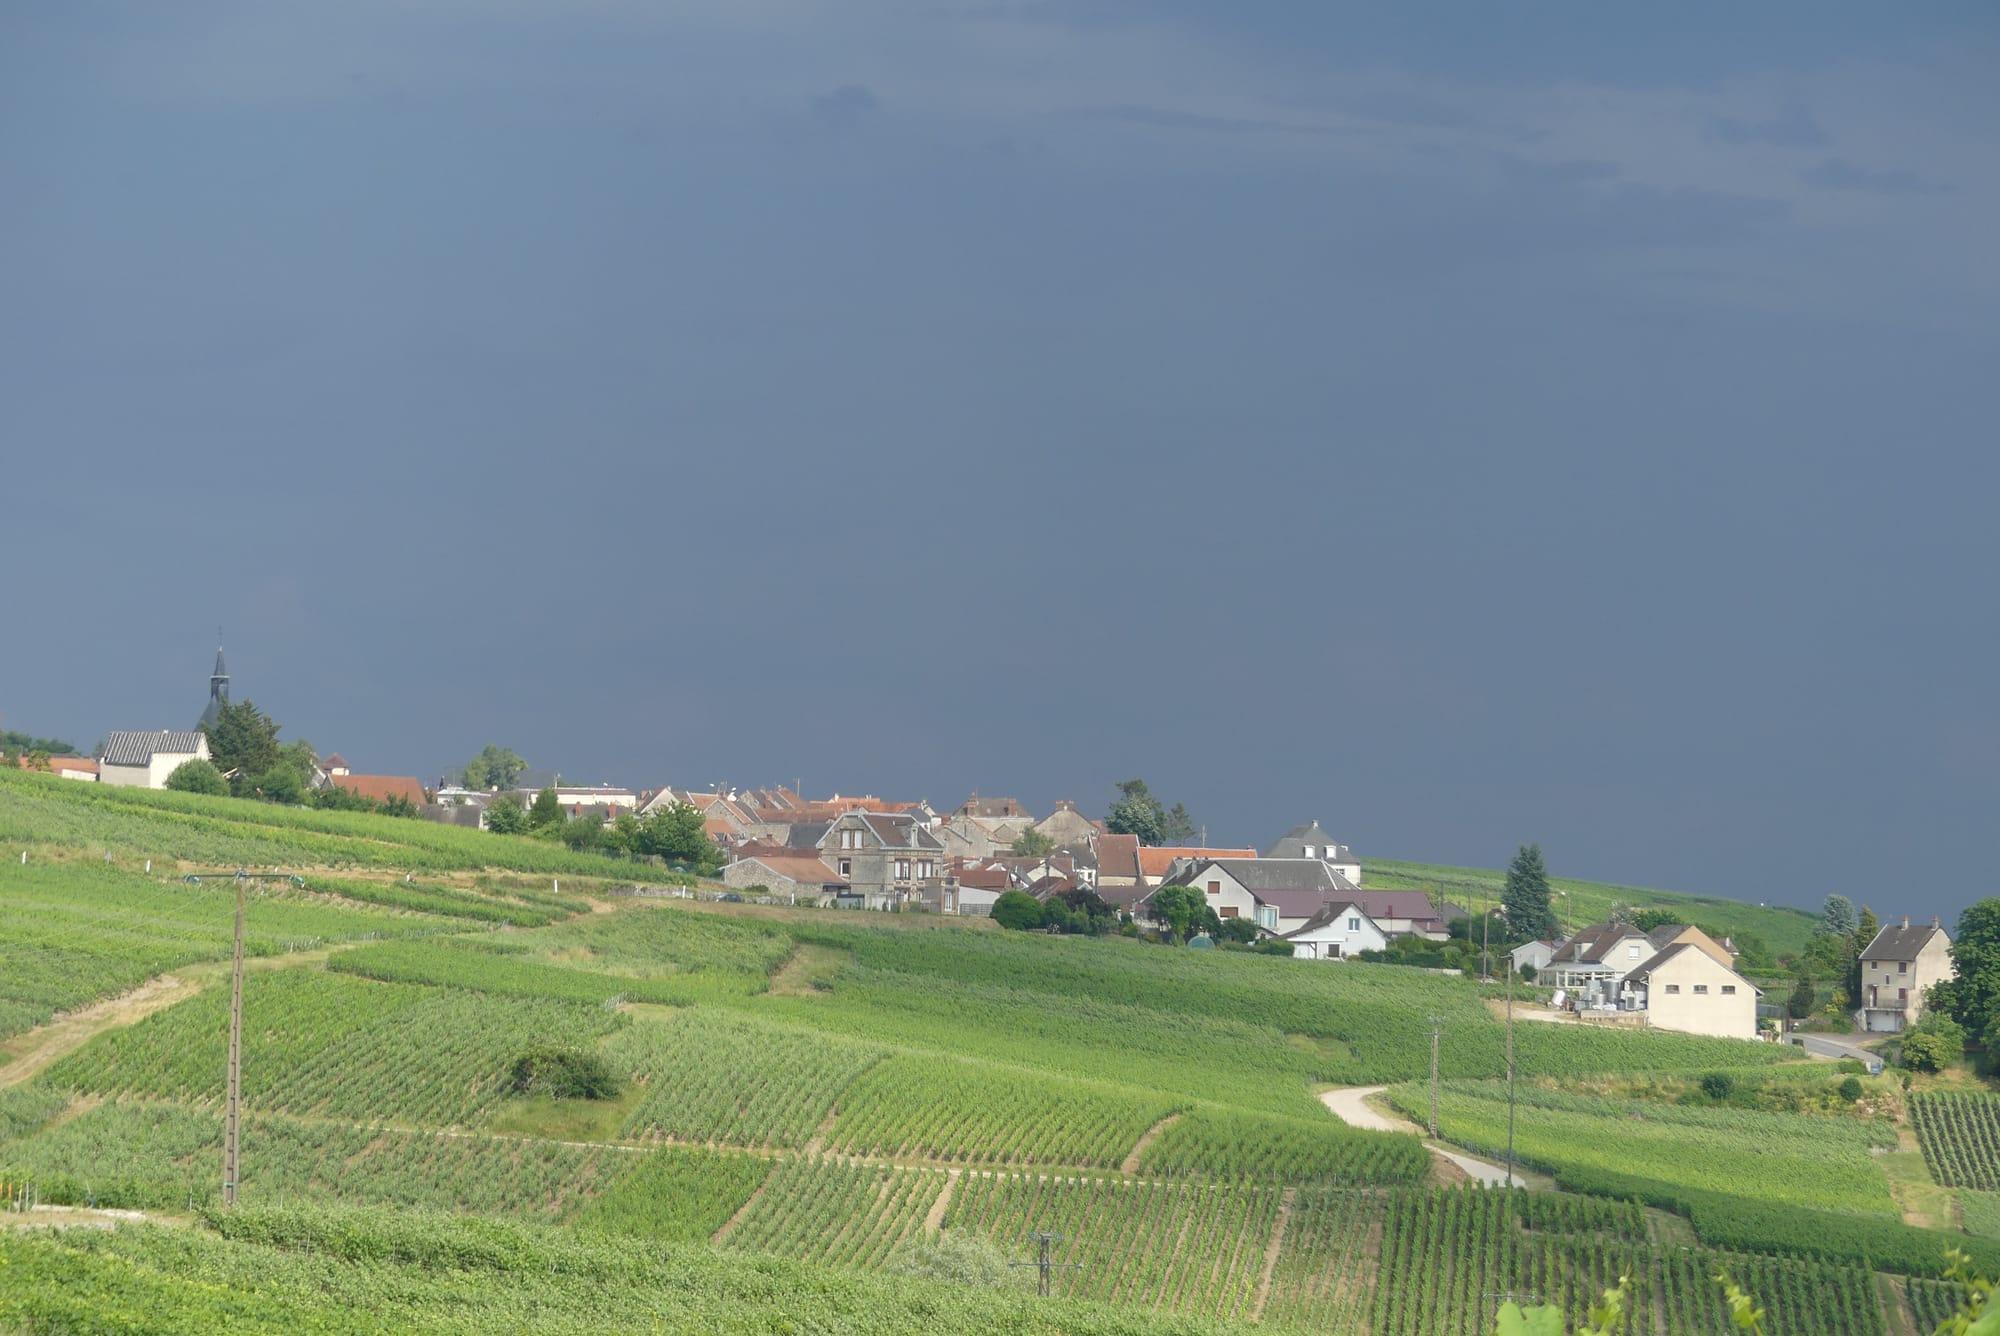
(1304,893)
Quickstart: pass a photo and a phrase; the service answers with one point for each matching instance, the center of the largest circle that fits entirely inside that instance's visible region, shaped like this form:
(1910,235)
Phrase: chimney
(1906,920)
(1934,920)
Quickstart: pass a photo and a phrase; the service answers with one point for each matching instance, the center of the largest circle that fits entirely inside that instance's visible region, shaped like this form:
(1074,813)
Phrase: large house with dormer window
(886,860)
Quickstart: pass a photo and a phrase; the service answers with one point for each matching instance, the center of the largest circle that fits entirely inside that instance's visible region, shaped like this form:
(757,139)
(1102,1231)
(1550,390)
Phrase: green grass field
(808,1094)
(1580,903)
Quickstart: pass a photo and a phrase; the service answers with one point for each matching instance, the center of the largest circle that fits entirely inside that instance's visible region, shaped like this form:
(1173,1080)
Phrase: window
(1729,990)
(926,869)
(1902,994)
(1215,888)
(902,869)
(846,867)
(1673,988)
(1632,951)
(1701,988)
(1902,967)
(1354,924)
(1308,852)
(1227,911)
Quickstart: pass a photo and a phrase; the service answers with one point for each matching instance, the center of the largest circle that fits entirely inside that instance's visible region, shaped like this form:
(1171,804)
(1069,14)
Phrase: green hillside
(1579,903)
(804,1107)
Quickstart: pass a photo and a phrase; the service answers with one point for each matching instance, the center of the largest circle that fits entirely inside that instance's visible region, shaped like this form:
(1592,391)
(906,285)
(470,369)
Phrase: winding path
(1350,1105)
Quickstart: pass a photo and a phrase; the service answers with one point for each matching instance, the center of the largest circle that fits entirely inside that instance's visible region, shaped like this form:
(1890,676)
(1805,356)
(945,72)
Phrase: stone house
(145,760)
(1534,954)
(886,860)
(796,876)
(1069,828)
(1897,969)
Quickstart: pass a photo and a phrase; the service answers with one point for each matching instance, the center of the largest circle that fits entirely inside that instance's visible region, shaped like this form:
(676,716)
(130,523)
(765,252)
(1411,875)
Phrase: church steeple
(218,689)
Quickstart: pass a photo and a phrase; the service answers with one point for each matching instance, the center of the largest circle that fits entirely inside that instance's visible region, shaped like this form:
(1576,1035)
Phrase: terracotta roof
(381,788)
(335,760)
(985,878)
(81,764)
(1155,859)
(1118,856)
(793,867)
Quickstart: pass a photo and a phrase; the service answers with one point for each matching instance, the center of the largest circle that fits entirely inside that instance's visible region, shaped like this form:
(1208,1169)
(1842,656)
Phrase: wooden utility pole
(1437,1030)
(1510,1083)
(232,1121)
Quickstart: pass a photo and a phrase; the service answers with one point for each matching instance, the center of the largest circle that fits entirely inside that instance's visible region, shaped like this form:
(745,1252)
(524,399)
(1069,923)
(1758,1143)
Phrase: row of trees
(31,751)
(677,833)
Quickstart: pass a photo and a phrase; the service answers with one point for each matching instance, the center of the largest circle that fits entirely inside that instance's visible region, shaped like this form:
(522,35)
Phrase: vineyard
(1165,1246)
(1823,1160)
(803,1092)
(928,1108)
(718,1077)
(1959,1132)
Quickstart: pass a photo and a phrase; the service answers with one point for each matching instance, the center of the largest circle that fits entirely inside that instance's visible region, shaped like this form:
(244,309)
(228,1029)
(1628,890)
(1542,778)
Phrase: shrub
(563,1073)
(1850,1089)
(1933,1043)
(197,776)
(1718,1085)
(956,1258)
(1018,910)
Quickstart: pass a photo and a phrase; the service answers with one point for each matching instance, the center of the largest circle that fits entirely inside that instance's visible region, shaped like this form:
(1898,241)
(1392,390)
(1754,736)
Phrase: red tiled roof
(80,764)
(381,788)
(1118,856)
(1155,859)
(795,867)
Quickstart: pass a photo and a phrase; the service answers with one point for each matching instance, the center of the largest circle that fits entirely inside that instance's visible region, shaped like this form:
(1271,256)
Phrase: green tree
(243,738)
(302,758)
(397,805)
(333,798)
(547,810)
(1237,930)
(1181,907)
(583,832)
(1972,996)
(279,784)
(1836,916)
(1177,827)
(1137,812)
(506,816)
(1031,843)
(1803,997)
(1864,932)
(1526,897)
(20,744)
(1018,910)
(1933,1043)
(623,833)
(494,768)
(678,833)
(197,776)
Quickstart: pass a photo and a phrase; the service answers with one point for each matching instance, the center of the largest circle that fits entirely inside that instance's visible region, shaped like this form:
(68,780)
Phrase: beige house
(145,760)
(1068,827)
(797,876)
(1687,989)
(1897,968)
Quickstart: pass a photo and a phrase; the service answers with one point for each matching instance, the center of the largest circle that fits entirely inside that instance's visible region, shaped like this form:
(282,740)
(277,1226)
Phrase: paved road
(1351,1106)
(1826,1046)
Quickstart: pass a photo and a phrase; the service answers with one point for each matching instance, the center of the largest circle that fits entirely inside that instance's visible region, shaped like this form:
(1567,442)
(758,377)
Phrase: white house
(1279,894)
(1336,932)
(1594,963)
(145,760)
(1535,954)
(1686,988)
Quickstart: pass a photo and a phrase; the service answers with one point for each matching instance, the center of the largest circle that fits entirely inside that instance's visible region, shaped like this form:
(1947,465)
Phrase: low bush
(563,1073)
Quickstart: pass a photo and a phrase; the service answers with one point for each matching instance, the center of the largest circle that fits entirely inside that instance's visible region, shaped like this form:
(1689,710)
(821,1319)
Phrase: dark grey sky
(1460,424)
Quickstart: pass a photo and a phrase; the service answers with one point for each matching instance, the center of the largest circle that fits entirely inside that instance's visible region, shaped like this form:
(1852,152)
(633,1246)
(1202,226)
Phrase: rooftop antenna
(1044,1263)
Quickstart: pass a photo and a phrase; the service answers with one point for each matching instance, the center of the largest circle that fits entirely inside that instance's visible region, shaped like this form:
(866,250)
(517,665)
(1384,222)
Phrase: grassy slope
(1783,929)
(1230,1037)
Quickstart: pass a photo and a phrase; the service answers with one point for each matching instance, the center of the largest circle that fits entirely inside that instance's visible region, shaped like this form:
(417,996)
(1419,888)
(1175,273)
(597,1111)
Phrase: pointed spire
(218,686)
